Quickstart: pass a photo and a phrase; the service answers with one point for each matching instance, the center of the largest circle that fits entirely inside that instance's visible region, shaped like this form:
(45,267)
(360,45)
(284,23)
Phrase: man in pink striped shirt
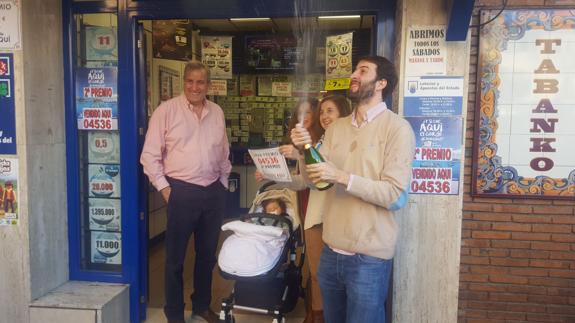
(186,158)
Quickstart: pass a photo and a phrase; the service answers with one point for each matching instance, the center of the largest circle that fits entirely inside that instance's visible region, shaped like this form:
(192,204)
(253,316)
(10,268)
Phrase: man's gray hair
(194,66)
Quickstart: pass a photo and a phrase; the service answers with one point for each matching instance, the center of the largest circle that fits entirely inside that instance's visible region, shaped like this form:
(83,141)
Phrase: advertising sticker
(437,161)
(8,191)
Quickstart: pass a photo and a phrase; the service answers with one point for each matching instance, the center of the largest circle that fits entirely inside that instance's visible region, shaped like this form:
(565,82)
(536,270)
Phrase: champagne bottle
(312,156)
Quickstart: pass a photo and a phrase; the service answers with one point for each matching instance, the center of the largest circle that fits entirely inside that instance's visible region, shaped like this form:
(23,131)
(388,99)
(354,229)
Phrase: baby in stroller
(256,256)
(271,206)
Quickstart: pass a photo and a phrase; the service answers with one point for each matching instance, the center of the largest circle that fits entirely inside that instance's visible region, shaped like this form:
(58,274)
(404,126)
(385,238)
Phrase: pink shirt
(182,146)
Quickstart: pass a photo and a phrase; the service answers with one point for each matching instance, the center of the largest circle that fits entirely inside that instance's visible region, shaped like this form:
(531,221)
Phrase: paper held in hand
(271,164)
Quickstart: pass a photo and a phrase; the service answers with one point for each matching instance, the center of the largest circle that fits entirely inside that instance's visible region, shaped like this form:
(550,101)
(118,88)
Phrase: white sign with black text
(10,28)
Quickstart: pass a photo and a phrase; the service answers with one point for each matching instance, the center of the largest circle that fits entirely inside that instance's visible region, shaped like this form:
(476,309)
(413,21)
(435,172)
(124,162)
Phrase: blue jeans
(353,288)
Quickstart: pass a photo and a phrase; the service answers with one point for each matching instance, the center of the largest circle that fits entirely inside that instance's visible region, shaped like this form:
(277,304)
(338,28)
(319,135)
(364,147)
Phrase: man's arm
(390,190)
(152,152)
(225,164)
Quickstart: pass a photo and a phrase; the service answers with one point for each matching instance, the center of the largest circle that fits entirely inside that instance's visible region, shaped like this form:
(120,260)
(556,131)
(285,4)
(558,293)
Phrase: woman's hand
(300,136)
(259,176)
(289,151)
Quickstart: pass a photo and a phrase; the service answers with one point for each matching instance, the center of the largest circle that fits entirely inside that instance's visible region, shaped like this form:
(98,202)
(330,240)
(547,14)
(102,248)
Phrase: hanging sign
(10,25)
(106,248)
(97,98)
(7,106)
(8,191)
(217,55)
(103,147)
(338,66)
(104,214)
(101,44)
(104,180)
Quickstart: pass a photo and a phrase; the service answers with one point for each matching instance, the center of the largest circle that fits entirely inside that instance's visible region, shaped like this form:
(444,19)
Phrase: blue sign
(7,106)
(433,96)
(438,151)
(97,98)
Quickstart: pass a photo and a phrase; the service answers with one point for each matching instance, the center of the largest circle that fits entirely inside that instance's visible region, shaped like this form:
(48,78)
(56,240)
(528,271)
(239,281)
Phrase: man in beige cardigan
(368,156)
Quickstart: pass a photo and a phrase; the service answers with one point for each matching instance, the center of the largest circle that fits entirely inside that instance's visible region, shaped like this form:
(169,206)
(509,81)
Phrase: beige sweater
(314,213)
(379,155)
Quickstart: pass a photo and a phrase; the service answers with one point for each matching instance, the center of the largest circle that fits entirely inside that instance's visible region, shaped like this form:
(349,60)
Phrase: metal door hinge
(139,43)
(141,131)
(141,216)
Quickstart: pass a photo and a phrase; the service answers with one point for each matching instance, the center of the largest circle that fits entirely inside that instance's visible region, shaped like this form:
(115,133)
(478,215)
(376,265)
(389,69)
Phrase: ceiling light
(339,17)
(250,19)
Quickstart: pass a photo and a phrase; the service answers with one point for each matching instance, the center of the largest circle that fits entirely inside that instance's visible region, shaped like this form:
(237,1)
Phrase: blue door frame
(132,115)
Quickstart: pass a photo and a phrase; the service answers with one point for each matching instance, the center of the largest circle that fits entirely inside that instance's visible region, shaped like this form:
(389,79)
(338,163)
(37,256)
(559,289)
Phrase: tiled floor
(221,288)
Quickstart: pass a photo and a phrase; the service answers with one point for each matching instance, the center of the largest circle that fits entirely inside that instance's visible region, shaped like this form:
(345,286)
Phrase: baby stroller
(275,289)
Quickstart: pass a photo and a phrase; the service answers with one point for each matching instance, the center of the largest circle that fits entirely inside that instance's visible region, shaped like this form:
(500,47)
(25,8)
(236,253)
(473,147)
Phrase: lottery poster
(271,163)
(338,56)
(97,98)
(217,55)
(437,162)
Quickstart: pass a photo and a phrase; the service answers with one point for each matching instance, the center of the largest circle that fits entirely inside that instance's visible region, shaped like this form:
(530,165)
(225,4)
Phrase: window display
(96,99)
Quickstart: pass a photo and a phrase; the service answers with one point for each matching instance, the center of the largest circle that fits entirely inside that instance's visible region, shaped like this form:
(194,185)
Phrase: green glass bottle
(312,156)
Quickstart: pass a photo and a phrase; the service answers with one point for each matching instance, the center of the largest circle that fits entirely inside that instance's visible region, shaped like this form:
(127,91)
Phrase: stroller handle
(280,218)
(266,185)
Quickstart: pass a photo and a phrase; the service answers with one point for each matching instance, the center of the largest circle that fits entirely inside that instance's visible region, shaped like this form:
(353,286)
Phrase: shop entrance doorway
(257,68)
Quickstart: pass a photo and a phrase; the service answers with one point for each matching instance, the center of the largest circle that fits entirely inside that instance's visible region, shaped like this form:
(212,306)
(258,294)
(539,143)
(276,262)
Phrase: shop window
(96,106)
